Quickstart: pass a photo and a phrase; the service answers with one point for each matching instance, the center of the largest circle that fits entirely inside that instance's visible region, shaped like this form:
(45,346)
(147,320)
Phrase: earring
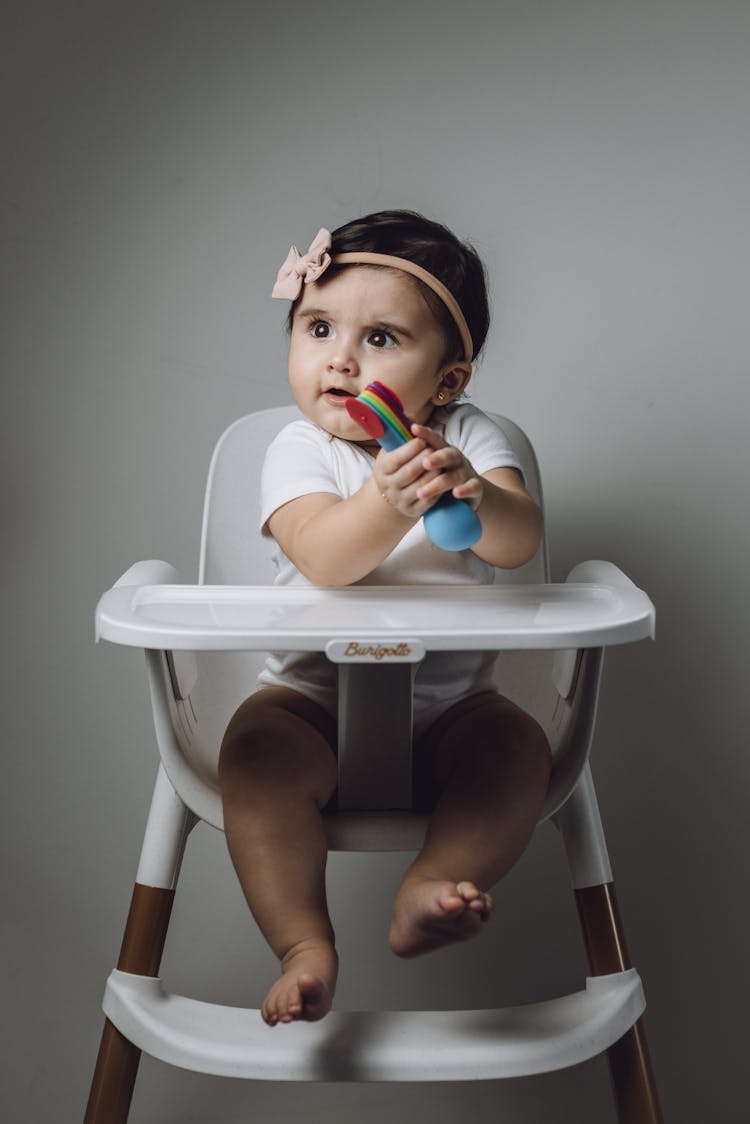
(440,396)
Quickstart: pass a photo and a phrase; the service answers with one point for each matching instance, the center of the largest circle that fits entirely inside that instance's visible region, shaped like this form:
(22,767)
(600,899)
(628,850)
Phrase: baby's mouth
(337,396)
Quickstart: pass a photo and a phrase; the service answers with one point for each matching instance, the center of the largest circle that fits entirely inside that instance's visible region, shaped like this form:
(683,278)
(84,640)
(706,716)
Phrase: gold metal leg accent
(632,1076)
(117,1063)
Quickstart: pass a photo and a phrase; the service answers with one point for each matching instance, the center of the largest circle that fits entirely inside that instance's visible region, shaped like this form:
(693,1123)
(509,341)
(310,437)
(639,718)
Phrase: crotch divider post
(375,679)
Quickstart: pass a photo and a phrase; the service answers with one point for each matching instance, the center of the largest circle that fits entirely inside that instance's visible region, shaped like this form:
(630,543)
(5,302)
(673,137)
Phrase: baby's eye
(380,338)
(320,329)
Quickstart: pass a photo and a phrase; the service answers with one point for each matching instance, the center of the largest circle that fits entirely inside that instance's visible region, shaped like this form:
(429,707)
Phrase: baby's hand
(446,470)
(401,474)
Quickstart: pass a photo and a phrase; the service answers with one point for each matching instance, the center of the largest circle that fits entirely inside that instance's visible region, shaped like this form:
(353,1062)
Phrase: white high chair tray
(295,618)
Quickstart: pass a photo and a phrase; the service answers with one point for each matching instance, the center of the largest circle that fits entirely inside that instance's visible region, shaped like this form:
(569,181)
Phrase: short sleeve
(296,465)
(480,439)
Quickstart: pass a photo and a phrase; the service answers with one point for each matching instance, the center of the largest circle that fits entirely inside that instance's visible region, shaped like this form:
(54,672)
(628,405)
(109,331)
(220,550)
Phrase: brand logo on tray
(356,651)
(375,651)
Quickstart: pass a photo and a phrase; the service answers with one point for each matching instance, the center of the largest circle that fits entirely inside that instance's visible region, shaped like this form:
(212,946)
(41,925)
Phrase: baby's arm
(511,520)
(335,541)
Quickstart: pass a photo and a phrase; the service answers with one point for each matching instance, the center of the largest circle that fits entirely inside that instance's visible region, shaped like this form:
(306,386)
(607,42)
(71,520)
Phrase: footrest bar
(376,1045)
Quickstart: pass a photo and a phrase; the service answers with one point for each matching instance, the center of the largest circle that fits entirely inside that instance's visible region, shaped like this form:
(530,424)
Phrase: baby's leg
(277,769)
(490,763)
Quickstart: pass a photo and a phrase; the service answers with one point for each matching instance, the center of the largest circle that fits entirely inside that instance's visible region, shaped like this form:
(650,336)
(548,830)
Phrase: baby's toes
(269,1013)
(469,892)
(275,1008)
(483,906)
(290,1005)
(476,900)
(294,1005)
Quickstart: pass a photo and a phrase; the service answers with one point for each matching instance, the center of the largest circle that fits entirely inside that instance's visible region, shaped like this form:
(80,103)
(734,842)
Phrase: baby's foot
(431,912)
(306,987)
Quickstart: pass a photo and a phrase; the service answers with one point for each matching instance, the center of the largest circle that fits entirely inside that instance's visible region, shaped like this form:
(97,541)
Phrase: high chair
(376,636)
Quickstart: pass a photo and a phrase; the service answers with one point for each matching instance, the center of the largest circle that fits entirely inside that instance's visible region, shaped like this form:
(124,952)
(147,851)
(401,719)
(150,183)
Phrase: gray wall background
(158,160)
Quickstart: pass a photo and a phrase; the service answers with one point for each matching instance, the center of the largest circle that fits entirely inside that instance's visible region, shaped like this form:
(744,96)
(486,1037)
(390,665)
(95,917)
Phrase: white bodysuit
(304,459)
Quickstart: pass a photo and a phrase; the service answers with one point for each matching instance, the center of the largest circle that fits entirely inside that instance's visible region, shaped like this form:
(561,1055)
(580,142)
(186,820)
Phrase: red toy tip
(365,416)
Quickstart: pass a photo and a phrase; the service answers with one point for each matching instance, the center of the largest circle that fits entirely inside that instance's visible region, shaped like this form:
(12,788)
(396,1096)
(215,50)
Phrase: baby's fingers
(471,491)
(443,459)
(429,436)
(392,461)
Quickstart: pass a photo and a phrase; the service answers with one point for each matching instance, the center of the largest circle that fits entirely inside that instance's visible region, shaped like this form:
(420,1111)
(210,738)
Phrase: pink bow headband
(301,269)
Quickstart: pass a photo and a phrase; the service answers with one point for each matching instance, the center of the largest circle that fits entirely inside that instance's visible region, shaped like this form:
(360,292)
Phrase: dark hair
(406,234)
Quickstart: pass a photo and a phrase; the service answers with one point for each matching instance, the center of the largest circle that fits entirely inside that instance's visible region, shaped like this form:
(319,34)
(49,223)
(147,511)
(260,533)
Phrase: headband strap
(425,277)
(299,269)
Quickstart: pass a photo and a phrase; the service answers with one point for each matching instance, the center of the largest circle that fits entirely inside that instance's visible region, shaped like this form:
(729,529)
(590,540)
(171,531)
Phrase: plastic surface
(580,825)
(376,1045)
(450,523)
(569,615)
(167,828)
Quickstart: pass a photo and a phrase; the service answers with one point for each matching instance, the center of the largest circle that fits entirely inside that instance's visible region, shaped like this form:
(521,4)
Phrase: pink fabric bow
(299,268)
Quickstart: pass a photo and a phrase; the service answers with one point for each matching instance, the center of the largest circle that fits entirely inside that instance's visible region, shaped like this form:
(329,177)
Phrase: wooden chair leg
(117,1063)
(114,1078)
(632,1077)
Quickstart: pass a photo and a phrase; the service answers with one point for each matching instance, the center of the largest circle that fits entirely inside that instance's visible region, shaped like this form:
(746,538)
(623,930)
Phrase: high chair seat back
(231,551)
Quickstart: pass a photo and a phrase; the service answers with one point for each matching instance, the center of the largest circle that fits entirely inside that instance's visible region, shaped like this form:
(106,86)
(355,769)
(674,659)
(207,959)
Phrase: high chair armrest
(150,571)
(181,665)
(597,572)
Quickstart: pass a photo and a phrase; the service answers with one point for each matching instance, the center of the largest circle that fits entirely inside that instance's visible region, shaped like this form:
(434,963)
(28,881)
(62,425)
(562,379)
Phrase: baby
(397,298)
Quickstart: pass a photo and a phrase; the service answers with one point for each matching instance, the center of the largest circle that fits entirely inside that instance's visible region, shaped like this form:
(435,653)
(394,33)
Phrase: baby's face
(356,327)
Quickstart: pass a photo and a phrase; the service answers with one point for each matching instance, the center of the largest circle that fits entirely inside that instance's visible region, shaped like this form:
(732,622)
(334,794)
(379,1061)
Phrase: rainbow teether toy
(450,523)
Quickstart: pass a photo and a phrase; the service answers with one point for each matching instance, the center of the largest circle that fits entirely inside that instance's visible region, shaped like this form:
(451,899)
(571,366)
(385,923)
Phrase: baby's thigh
(486,729)
(278,733)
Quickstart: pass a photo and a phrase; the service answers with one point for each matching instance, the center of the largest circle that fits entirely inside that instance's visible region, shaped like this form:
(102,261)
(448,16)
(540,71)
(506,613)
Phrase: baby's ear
(453,380)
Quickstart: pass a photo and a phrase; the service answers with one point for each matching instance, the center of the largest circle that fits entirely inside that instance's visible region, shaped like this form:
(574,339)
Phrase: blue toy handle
(450,523)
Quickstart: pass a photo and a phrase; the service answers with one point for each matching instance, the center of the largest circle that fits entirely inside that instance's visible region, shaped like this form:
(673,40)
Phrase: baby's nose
(344,361)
